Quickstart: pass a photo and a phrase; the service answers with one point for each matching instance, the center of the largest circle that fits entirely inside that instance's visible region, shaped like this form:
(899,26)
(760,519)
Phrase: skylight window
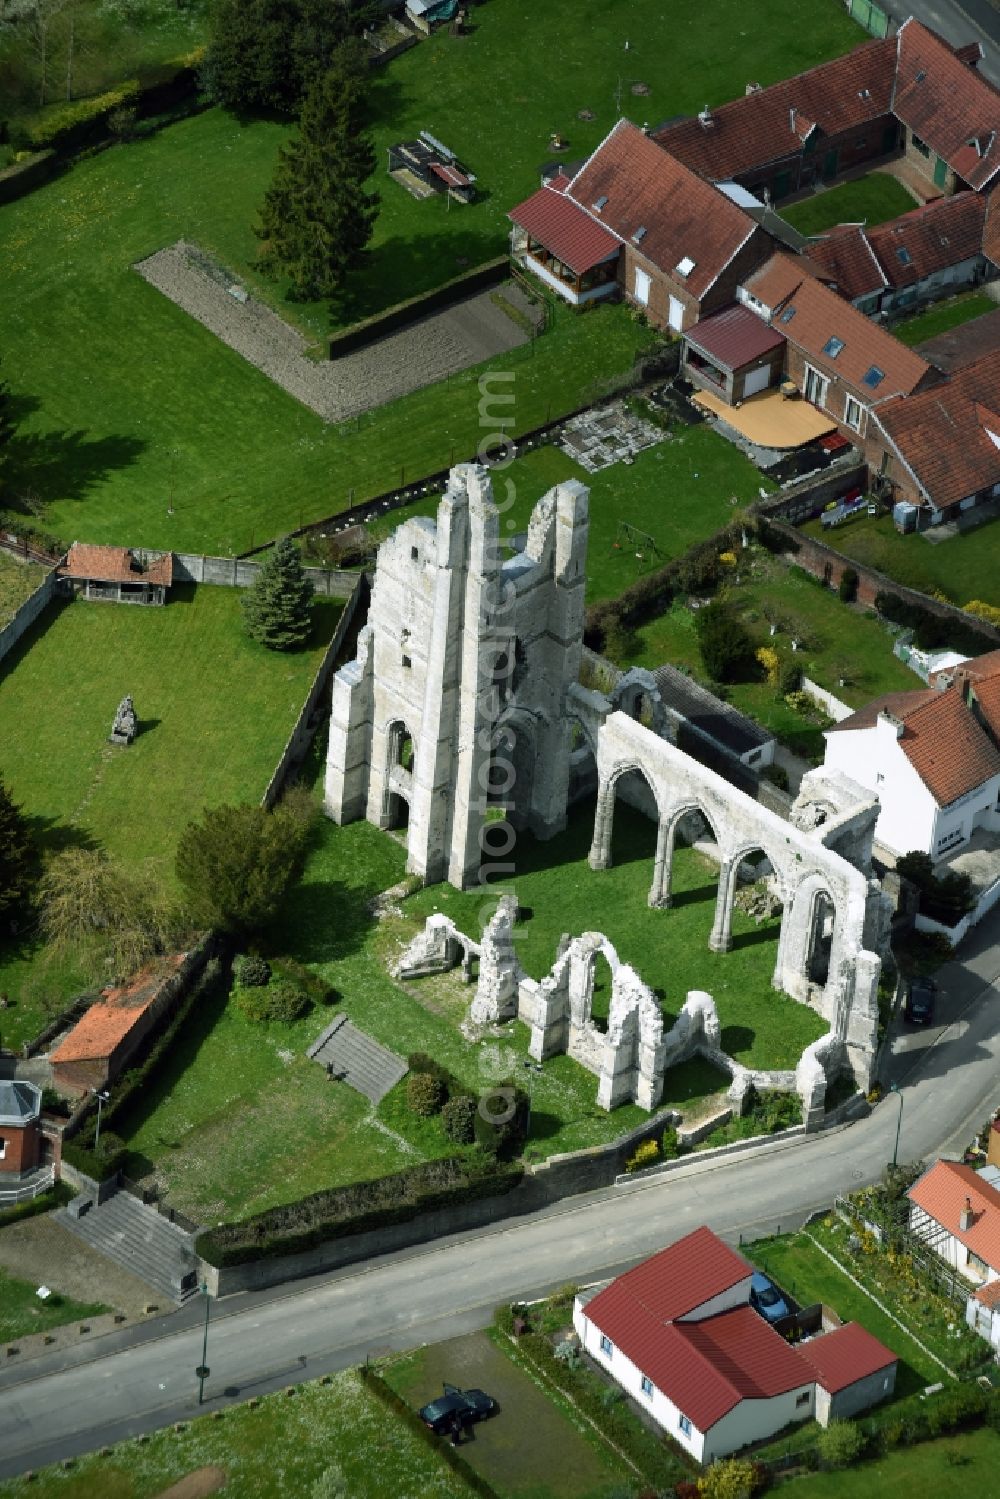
(639,235)
(864,93)
(873,377)
(787,315)
(684,267)
(599,204)
(903,256)
(920,76)
(833,346)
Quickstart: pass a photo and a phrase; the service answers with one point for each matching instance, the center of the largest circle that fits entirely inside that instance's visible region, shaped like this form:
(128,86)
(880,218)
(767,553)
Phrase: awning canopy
(569,233)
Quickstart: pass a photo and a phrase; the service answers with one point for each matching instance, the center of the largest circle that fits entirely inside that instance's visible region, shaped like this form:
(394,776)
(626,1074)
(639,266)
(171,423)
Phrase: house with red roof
(955,1210)
(635,220)
(120,575)
(949,112)
(679,1334)
(101,1044)
(931,759)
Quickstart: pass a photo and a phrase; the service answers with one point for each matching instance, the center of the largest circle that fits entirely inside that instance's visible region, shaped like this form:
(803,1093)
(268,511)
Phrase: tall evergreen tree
(276,611)
(317,217)
(264,54)
(18,856)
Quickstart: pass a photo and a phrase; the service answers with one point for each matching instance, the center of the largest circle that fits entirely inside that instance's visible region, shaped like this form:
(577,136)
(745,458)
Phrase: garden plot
(597,439)
(422,354)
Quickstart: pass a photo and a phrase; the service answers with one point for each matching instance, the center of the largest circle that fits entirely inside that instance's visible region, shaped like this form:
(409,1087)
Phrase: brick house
(101,1044)
(933,251)
(949,112)
(634,219)
(21,1140)
(679,1334)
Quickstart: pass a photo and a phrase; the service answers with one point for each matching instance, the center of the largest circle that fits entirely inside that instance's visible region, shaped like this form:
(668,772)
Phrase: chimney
(888,723)
(965,1217)
(752,88)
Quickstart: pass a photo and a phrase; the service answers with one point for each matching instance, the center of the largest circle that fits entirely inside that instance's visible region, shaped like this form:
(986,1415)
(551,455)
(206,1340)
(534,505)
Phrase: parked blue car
(767,1299)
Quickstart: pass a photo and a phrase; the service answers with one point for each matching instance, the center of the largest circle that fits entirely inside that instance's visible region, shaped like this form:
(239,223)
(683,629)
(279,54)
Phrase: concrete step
(358,1060)
(138,1239)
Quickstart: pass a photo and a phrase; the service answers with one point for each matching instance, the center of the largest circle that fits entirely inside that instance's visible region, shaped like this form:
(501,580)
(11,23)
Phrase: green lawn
(962,1464)
(21,1312)
(18,580)
(564,1459)
(945,315)
(796,1264)
(143,405)
(963,568)
(214,709)
(873,199)
(838,642)
(275,1451)
(678,492)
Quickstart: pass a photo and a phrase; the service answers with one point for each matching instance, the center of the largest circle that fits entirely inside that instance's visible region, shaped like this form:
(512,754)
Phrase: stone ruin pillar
(499,970)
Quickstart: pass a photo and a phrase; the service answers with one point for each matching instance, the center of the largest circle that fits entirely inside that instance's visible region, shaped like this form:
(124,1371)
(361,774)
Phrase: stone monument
(123,730)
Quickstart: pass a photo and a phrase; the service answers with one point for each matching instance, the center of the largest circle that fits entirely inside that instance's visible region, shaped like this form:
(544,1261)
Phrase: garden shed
(117,575)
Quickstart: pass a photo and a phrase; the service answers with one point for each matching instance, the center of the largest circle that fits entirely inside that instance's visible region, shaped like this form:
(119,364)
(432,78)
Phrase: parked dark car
(464,1406)
(767,1299)
(920,998)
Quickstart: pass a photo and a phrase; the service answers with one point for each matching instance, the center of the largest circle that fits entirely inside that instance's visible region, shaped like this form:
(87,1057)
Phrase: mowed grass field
(214,710)
(129,406)
(963,568)
(870,200)
(18,580)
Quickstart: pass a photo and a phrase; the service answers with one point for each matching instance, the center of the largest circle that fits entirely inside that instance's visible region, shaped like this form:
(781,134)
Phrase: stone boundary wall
(806,497)
(34,605)
(738,1147)
(300,738)
(827,564)
(237,572)
(826,700)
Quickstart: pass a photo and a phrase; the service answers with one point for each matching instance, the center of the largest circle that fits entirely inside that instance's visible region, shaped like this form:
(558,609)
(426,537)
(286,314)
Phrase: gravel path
(437,346)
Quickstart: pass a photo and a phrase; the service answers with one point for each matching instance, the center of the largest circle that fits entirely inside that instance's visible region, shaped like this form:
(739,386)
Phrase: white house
(679,1335)
(932,762)
(956,1211)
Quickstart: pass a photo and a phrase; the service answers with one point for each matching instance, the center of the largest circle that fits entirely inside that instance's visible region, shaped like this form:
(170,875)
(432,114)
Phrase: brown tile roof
(949,750)
(841,1357)
(765,126)
(108,564)
(845,257)
(988,1295)
(942,434)
(574,236)
(661,208)
(734,337)
(991,230)
(931,238)
(810,316)
(106,1024)
(942,1193)
(948,104)
(965,344)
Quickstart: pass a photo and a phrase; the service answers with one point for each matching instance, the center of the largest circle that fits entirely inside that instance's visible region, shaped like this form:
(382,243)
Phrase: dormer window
(639,235)
(600,203)
(873,377)
(864,93)
(787,315)
(903,256)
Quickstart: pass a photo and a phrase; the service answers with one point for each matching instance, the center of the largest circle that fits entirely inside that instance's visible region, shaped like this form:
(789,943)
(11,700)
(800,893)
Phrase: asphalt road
(58,1407)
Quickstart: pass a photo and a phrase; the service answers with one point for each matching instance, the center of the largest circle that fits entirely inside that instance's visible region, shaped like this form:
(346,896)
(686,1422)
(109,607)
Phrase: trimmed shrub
(459,1119)
(840,1444)
(501,1119)
(644,1155)
(847,588)
(279,1000)
(727,649)
(790,678)
(670,1145)
(419,1061)
(107,1160)
(251,971)
(69,126)
(358,1208)
(425,1095)
(304,978)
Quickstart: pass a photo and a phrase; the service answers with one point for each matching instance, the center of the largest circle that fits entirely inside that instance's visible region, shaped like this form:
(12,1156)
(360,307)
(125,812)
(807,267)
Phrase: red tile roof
(674,1282)
(988,1295)
(845,257)
(734,337)
(942,1192)
(108,564)
(931,238)
(963,345)
(765,126)
(991,230)
(949,750)
(562,226)
(809,315)
(841,1357)
(714,1364)
(647,190)
(109,1020)
(943,433)
(948,104)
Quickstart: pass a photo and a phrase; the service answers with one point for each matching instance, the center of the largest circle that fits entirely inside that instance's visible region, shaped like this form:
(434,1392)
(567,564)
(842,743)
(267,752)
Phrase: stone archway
(397,795)
(808,951)
(661,893)
(604,815)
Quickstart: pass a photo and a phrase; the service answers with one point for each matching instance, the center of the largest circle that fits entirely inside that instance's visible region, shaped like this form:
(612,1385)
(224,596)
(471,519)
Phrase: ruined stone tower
(456,701)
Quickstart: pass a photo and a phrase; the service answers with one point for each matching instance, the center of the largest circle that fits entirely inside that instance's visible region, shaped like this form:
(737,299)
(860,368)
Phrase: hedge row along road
(59,1406)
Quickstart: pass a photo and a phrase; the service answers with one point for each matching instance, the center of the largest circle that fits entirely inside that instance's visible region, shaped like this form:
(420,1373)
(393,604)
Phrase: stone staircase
(138,1239)
(354,1058)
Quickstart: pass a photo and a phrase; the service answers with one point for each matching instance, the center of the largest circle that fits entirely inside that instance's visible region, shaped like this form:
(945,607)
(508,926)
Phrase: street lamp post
(101,1097)
(893,1088)
(203,1371)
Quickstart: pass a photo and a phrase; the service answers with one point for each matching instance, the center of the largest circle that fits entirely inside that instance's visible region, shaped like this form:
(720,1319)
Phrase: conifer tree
(18,859)
(276,611)
(317,218)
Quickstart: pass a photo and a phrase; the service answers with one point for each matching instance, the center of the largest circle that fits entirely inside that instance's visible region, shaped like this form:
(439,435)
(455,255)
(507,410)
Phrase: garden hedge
(932,628)
(359,1207)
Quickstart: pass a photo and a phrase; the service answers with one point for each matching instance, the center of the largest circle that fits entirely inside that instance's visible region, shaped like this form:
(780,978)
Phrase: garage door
(757,380)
